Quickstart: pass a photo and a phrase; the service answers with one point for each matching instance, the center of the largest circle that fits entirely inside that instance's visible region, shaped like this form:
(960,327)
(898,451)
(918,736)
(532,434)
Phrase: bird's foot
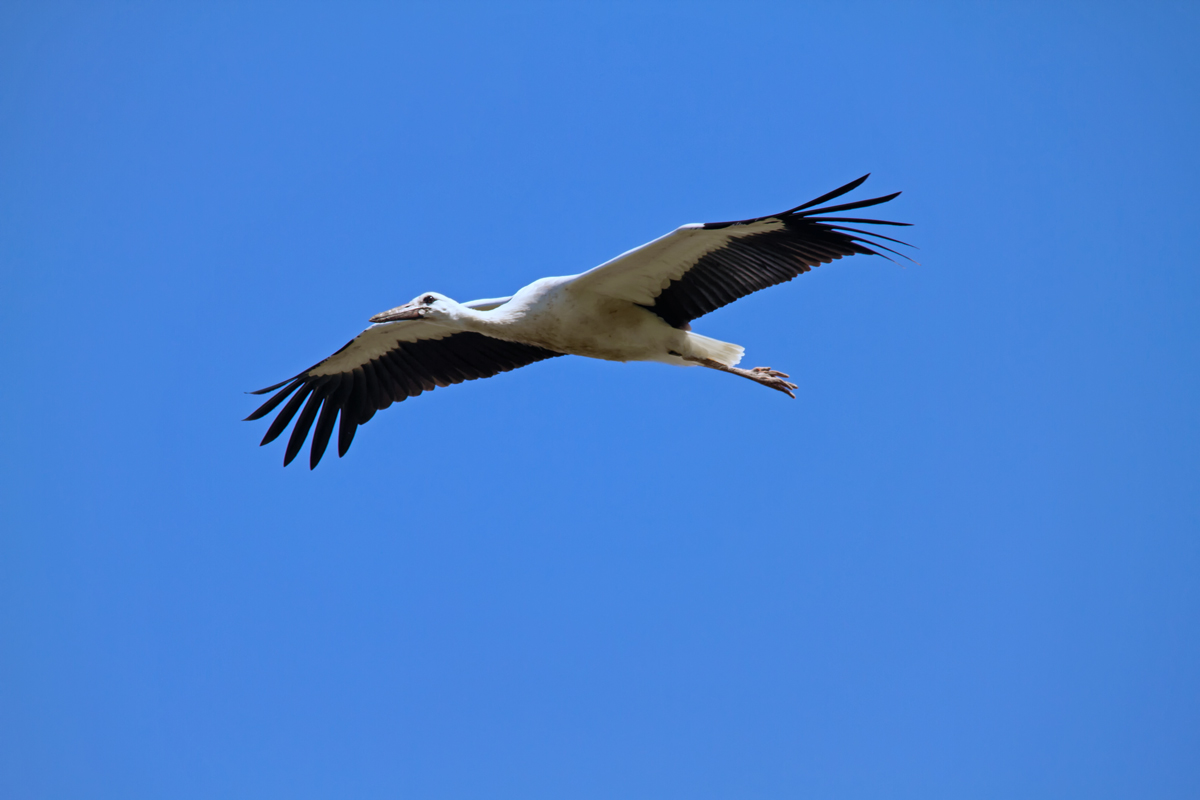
(772,379)
(768,377)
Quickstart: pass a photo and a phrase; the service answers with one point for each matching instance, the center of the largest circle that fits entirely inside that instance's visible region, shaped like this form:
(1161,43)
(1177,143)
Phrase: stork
(636,307)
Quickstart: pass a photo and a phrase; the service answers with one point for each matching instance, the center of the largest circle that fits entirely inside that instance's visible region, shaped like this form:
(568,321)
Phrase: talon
(771,372)
(772,379)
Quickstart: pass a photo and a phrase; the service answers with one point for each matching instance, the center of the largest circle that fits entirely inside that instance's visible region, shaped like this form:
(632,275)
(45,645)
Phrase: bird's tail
(724,352)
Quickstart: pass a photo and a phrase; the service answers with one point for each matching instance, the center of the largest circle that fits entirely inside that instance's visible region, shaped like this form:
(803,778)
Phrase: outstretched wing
(384,364)
(700,267)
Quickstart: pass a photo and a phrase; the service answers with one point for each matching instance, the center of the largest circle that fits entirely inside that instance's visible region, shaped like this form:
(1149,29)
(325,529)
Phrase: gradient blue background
(964,563)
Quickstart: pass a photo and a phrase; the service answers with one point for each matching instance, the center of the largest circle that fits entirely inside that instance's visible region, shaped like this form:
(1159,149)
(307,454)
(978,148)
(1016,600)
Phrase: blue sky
(962,564)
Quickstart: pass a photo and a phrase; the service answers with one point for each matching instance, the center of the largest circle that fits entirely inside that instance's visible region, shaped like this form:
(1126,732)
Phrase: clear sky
(964,563)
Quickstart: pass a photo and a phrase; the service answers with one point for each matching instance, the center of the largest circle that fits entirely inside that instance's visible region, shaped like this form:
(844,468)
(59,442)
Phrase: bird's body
(636,307)
(555,314)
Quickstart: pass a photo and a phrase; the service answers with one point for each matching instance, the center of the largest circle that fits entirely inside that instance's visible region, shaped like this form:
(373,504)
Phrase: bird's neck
(486,322)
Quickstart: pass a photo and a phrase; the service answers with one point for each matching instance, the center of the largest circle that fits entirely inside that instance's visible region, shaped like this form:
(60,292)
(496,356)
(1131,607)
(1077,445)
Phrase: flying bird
(635,307)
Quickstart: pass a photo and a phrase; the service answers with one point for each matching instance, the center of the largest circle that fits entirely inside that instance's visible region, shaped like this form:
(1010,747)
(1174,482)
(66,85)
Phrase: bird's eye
(429,299)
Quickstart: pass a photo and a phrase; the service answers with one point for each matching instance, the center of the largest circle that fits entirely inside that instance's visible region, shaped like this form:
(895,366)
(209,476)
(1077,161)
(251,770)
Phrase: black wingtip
(335,398)
(858,219)
(304,422)
(890,250)
(872,234)
(285,416)
(838,192)
(269,406)
(273,388)
(874,201)
(346,429)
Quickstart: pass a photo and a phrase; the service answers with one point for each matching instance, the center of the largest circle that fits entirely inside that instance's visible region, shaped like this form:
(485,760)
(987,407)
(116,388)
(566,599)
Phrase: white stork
(635,307)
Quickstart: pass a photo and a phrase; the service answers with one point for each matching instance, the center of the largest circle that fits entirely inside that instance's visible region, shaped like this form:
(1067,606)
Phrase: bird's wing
(700,267)
(384,364)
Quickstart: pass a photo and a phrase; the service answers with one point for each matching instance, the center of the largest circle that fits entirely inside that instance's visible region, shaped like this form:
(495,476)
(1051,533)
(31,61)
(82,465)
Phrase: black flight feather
(755,259)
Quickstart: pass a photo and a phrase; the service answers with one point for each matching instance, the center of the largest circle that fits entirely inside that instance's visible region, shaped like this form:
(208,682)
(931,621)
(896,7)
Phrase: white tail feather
(724,352)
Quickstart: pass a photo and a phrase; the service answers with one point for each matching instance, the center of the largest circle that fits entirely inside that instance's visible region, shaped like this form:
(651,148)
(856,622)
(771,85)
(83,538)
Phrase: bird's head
(430,305)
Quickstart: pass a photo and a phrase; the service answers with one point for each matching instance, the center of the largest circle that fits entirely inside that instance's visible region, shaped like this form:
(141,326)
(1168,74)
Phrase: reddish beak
(407,311)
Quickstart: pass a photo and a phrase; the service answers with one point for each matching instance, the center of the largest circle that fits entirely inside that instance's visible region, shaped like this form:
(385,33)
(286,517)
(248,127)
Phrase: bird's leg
(764,375)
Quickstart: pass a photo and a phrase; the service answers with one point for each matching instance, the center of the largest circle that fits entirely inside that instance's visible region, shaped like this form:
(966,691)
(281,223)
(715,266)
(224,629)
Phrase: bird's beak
(406,311)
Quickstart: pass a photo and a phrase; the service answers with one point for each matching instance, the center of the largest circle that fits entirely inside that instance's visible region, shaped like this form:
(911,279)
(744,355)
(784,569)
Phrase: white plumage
(635,307)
